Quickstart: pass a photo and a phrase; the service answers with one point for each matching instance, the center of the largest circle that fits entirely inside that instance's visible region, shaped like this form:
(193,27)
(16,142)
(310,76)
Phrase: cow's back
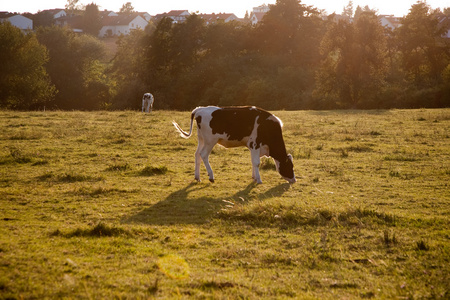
(236,122)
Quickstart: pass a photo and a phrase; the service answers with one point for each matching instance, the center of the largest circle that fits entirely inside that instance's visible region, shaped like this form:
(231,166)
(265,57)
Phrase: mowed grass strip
(104,205)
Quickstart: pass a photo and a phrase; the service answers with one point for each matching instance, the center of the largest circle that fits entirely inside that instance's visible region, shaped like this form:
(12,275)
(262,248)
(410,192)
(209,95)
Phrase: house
(145,15)
(258,13)
(107,13)
(121,25)
(214,18)
(16,20)
(256,17)
(178,16)
(390,21)
(444,22)
(56,12)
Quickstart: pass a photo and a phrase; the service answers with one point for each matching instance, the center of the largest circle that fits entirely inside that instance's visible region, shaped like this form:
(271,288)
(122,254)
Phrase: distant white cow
(147,102)
(257,129)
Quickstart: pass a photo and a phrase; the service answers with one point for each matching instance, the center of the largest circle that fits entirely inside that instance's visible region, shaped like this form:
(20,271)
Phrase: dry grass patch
(103,205)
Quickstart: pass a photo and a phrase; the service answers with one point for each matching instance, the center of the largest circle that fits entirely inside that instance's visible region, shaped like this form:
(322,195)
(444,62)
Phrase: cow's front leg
(143,105)
(255,165)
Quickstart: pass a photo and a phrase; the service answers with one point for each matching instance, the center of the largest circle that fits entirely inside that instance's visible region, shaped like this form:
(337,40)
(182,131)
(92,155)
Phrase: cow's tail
(183,133)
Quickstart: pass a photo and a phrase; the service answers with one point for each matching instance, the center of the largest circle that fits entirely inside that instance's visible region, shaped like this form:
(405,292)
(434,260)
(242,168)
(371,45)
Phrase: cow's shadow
(182,207)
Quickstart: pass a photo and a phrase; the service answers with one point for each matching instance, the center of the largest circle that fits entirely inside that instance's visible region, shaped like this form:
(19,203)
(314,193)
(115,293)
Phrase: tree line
(293,59)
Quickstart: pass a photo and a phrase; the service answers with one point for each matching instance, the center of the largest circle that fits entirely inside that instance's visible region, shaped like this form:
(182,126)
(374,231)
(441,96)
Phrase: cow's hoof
(211,180)
(257,181)
(197,179)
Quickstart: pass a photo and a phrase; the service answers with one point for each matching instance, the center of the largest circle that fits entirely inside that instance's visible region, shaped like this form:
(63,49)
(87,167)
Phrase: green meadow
(103,205)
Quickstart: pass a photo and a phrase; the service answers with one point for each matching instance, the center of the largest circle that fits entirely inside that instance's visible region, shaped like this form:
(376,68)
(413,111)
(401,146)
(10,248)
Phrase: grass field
(103,205)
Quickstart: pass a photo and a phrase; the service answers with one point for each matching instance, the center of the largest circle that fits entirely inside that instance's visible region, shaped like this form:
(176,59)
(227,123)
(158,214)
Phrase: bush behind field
(104,205)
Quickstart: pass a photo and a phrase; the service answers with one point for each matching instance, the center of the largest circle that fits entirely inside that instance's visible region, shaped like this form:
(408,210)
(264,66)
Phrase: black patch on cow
(287,168)
(236,122)
(270,134)
(199,120)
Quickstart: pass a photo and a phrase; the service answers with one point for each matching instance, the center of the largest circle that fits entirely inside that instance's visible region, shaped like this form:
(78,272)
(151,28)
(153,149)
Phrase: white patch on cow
(255,151)
(275,119)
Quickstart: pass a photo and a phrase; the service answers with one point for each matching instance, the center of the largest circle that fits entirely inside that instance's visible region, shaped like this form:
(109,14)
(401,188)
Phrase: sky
(398,8)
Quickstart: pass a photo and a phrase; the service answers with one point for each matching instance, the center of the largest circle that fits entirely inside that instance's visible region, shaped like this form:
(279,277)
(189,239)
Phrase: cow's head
(286,168)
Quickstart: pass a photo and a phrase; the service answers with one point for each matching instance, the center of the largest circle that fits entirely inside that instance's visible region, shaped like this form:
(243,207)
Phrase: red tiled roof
(119,20)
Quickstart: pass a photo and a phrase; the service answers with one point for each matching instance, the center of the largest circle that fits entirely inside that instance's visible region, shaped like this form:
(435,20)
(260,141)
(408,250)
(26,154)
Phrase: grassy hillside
(103,205)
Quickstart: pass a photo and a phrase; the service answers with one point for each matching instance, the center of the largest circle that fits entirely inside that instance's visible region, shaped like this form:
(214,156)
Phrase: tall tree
(127,9)
(292,31)
(187,40)
(158,46)
(425,52)
(130,70)
(91,20)
(71,58)
(24,82)
(279,29)
(354,67)
(72,6)
(42,18)
(347,13)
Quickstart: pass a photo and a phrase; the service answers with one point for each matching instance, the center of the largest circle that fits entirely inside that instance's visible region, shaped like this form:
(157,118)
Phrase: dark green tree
(130,70)
(91,20)
(71,59)
(227,39)
(42,18)
(24,82)
(290,29)
(425,51)
(354,68)
(158,47)
(186,42)
(287,42)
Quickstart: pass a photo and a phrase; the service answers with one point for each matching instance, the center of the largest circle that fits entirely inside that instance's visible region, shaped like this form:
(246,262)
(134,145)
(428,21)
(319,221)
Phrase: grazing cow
(255,128)
(147,102)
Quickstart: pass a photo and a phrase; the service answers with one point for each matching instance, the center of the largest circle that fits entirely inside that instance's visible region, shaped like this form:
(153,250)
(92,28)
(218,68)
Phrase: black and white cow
(147,102)
(255,128)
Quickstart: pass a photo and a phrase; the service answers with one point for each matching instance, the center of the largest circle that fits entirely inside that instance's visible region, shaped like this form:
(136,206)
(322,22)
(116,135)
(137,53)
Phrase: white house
(145,15)
(256,17)
(258,13)
(444,21)
(107,13)
(121,25)
(56,13)
(390,21)
(17,20)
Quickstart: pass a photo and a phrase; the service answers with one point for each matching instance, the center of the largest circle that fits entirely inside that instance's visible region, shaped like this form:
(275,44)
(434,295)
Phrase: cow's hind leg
(204,154)
(197,161)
